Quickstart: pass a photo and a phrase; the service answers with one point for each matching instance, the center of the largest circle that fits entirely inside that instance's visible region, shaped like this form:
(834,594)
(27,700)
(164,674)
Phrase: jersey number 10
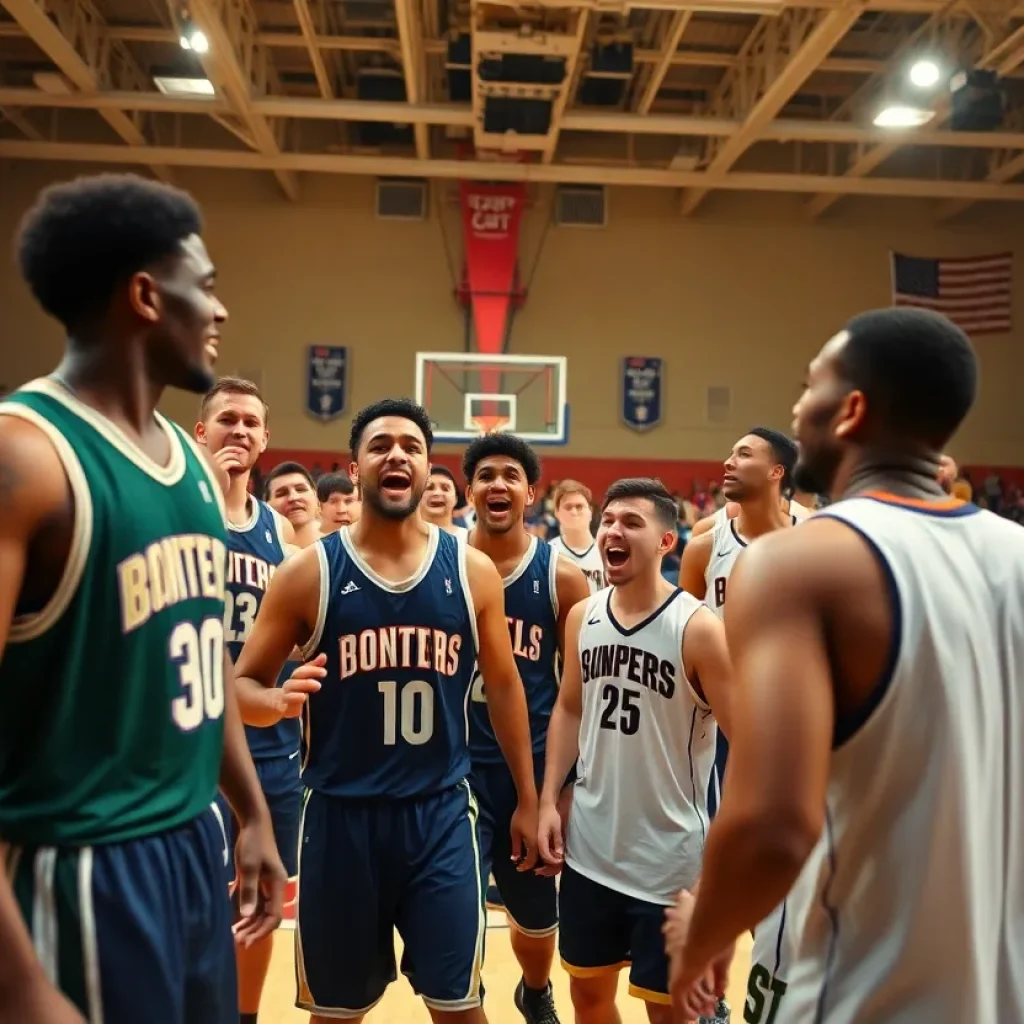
(199,656)
(409,711)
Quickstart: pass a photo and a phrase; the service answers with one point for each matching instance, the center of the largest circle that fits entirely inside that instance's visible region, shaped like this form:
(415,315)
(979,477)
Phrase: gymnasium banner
(641,392)
(326,381)
(491,215)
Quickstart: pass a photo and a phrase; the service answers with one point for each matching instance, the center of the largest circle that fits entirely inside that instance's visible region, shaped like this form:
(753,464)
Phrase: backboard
(469,393)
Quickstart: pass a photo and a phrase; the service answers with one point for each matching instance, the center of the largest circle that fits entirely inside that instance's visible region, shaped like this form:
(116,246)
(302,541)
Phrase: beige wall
(741,295)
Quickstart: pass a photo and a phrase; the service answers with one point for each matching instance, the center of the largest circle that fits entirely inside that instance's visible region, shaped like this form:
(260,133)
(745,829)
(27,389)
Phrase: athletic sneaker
(536,1007)
(723,1014)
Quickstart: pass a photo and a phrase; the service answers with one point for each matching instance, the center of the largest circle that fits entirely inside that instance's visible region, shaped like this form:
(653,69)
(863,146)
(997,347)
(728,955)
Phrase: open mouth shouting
(499,508)
(395,485)
(616,556)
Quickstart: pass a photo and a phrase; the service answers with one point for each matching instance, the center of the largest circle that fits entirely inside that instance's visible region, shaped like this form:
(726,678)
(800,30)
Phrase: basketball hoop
(490,424)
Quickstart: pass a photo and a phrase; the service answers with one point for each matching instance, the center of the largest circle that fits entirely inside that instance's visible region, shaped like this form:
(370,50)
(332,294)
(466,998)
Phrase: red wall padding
(677,475)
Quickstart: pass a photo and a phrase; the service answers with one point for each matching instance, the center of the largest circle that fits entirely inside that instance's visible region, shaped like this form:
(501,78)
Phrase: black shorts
(602,930)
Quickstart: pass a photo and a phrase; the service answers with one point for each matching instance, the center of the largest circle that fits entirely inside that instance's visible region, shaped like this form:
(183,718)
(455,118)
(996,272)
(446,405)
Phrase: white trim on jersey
(308,649)
(553,582)
(392,587)
(29,627)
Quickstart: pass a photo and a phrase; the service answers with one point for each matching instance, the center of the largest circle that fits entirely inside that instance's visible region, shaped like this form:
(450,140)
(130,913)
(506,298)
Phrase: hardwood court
(501,975)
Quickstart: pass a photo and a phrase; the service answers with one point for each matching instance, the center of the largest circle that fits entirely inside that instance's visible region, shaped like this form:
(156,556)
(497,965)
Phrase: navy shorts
(367,867)
(531,900)
(136,932)
(282,786)
(604,930)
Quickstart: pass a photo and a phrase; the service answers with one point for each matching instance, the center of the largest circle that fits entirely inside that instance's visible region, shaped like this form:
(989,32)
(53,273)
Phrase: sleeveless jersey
(113,693)
(391,719)
(916,908)
(531,607)
(589,562)
(647,743)
(255,550)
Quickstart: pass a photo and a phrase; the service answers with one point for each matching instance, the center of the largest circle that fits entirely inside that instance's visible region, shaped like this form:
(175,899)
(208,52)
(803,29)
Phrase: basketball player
(645,665)
(389,834)
(233,428)
(119,713)
(878,706)
(948,472)
(440,499)
(757,473)
(290,491)
(574,507)
(540,588)
(339,502)
(798,505)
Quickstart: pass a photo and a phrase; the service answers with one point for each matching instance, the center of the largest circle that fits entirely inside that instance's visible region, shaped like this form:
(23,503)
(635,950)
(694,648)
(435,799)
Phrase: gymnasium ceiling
(697,95)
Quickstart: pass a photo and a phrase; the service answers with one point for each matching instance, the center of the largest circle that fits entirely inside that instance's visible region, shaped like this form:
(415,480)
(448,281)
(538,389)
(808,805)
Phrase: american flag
(973,291)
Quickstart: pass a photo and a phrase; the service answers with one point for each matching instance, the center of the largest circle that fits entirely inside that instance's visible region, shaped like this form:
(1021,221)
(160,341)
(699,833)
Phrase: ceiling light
(924,74)
(192,38)
(898,116)
(185,86)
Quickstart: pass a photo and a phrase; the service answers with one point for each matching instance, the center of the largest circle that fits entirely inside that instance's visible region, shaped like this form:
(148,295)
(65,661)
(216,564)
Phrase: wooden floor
(501,975)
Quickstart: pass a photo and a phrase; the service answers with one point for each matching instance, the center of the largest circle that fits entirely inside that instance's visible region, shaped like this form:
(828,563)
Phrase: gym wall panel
(740,296)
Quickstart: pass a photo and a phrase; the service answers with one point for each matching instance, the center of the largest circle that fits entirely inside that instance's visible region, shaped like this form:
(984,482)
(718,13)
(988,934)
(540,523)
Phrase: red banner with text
(491,215)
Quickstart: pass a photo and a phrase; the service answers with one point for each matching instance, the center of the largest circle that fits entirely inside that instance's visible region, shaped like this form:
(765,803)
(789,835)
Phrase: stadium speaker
(977,100)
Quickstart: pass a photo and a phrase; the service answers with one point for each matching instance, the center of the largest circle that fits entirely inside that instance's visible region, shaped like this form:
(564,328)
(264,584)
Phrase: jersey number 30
(408,711)
(199,656)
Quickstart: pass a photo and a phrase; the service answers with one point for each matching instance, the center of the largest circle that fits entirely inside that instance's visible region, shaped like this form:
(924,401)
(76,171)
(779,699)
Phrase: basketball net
(489,424)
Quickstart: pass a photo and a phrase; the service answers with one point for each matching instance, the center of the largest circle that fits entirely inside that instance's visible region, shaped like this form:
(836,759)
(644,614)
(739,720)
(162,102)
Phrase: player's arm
(506,697)
(694,564)
(782,720)
(707,664)
(33,491)
(285,621)
(563,745)
(572,587)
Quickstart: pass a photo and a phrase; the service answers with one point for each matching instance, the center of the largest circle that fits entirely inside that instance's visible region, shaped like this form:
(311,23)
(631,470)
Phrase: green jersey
(113,693)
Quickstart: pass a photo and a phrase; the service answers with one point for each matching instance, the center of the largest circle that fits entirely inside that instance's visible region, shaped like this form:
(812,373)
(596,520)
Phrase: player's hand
(260,879)
(695,988)
(36,1001)
(290,697)
(523,832)
(564,805)
(550,841)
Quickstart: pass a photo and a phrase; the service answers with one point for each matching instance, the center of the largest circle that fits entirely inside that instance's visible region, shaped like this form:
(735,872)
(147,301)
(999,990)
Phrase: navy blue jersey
(390,719)
(531,607)
(255,550)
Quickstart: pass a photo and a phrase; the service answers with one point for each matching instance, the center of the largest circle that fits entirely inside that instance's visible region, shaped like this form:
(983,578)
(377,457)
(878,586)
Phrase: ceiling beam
(60,47)
(573,66)
(414,66)
(639,176)
(461,115)
(308,29)
(675,33)
(778,88)
(22,123)
(230,26)
(1005,57)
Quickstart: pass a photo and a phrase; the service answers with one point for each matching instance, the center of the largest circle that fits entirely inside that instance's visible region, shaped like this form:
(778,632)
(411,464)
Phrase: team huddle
(210,710)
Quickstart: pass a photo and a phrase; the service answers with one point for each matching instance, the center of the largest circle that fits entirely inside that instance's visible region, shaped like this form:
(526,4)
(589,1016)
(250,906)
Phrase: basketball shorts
(367,867)
(531,900)
(769,964)
(282,786)
(602,930)
(136,932)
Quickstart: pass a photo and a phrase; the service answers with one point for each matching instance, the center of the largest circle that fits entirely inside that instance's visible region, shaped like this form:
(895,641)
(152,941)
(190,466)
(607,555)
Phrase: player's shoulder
(34,458)
(700,546)
(704,526)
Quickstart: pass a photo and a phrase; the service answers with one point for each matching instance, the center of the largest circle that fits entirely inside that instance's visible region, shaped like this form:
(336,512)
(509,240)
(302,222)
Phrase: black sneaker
(539,1008)
(723,1014)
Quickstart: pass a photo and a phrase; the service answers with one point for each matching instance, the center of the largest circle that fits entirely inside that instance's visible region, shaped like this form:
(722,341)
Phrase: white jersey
(916,910)
(774,936)
(588,560)
(647,743)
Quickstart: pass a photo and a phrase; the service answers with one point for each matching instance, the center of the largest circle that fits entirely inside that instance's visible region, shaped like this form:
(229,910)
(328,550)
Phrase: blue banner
(326,381)
(641,392)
